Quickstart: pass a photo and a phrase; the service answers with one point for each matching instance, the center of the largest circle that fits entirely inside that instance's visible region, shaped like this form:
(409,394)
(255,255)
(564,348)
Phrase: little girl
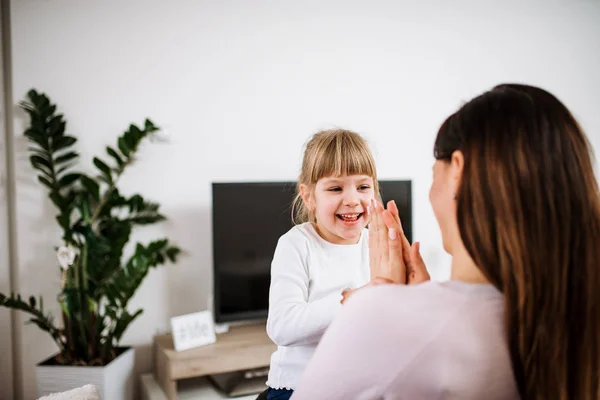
(324,254)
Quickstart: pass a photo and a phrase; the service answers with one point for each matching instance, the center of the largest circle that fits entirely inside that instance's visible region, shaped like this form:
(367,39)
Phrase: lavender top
(428,341)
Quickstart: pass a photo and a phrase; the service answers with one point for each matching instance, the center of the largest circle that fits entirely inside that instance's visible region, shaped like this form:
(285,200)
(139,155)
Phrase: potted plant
(97,280)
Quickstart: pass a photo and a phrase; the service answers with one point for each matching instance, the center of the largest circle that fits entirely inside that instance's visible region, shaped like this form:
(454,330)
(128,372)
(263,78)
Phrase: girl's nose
(352,200)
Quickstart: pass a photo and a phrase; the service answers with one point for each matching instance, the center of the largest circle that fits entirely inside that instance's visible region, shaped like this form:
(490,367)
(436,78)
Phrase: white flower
(66,256)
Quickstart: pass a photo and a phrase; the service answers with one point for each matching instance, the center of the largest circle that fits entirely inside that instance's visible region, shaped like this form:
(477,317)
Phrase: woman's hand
(386,259)
(346,294)
(416,271)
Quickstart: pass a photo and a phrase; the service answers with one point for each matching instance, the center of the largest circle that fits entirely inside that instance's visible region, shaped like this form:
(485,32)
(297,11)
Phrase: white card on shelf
(193,330)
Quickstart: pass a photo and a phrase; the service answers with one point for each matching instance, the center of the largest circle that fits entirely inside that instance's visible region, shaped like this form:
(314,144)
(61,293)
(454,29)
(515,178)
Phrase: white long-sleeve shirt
(308,275)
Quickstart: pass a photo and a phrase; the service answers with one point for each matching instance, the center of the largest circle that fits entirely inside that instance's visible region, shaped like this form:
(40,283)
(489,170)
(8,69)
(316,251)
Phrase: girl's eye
(364,187)
(334,189)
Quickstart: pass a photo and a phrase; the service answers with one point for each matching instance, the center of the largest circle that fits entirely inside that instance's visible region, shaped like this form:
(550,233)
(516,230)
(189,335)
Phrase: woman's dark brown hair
(528,212)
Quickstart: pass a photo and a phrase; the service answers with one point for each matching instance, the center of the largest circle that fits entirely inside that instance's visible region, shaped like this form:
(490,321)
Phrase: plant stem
(81,284)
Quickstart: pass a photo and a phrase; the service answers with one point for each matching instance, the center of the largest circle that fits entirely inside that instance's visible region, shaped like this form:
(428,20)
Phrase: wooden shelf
(243,347)
(198,389)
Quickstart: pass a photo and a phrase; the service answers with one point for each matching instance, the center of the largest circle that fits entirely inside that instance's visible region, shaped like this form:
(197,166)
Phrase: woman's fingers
(378,243)
(393,208)
(396,263)
(382,241)
(418,271)
(390,253)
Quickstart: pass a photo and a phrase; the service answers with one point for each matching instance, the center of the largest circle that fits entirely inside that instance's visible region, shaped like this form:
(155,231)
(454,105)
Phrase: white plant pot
(114,381)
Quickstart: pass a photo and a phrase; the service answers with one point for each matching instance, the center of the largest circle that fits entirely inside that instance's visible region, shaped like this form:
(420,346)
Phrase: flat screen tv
(248,218)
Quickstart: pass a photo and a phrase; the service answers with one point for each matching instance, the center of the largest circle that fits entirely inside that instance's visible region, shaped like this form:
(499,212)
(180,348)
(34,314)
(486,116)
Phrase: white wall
(241,85)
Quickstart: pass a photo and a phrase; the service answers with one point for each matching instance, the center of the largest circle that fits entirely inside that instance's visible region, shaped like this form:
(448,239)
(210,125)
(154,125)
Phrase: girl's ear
(307,197)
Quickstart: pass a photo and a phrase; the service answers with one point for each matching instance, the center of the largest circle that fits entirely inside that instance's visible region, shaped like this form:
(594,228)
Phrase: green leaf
(34,134)
(63,142)
(123,323)
(123,147)
(131,137)
(46,182)
(66,157)
(149,127)
(50,110)
(38,161)
(57,200)
(38,138)
(31,111)
(136,202)
(102,167)
(42,103)
(63,220)
(36,151)
(32,94)
(158,245)
(56,126)
(44,171)
(172,253)
(115,155)
(146,219)
(135,133)
(91,186)
(64,168)
(43,321)
(68,179)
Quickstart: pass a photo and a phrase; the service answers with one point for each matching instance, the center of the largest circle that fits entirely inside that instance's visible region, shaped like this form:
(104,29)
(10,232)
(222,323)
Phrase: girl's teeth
(349,217)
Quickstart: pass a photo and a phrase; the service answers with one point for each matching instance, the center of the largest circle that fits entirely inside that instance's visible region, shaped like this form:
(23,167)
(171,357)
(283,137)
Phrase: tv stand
(236,360)
(241,383)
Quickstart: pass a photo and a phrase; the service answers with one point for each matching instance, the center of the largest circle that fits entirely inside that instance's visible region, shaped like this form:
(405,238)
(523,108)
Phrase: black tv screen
(248,219)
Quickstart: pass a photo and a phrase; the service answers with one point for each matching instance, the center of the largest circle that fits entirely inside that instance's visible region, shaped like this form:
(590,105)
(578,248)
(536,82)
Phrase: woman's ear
(457,164)
(307,197)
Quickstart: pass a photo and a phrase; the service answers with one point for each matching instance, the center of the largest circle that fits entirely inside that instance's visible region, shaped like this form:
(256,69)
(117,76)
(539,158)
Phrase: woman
(517,202)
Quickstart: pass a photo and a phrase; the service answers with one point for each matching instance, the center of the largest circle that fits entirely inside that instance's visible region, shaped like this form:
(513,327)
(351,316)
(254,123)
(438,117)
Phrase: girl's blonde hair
(335,152)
